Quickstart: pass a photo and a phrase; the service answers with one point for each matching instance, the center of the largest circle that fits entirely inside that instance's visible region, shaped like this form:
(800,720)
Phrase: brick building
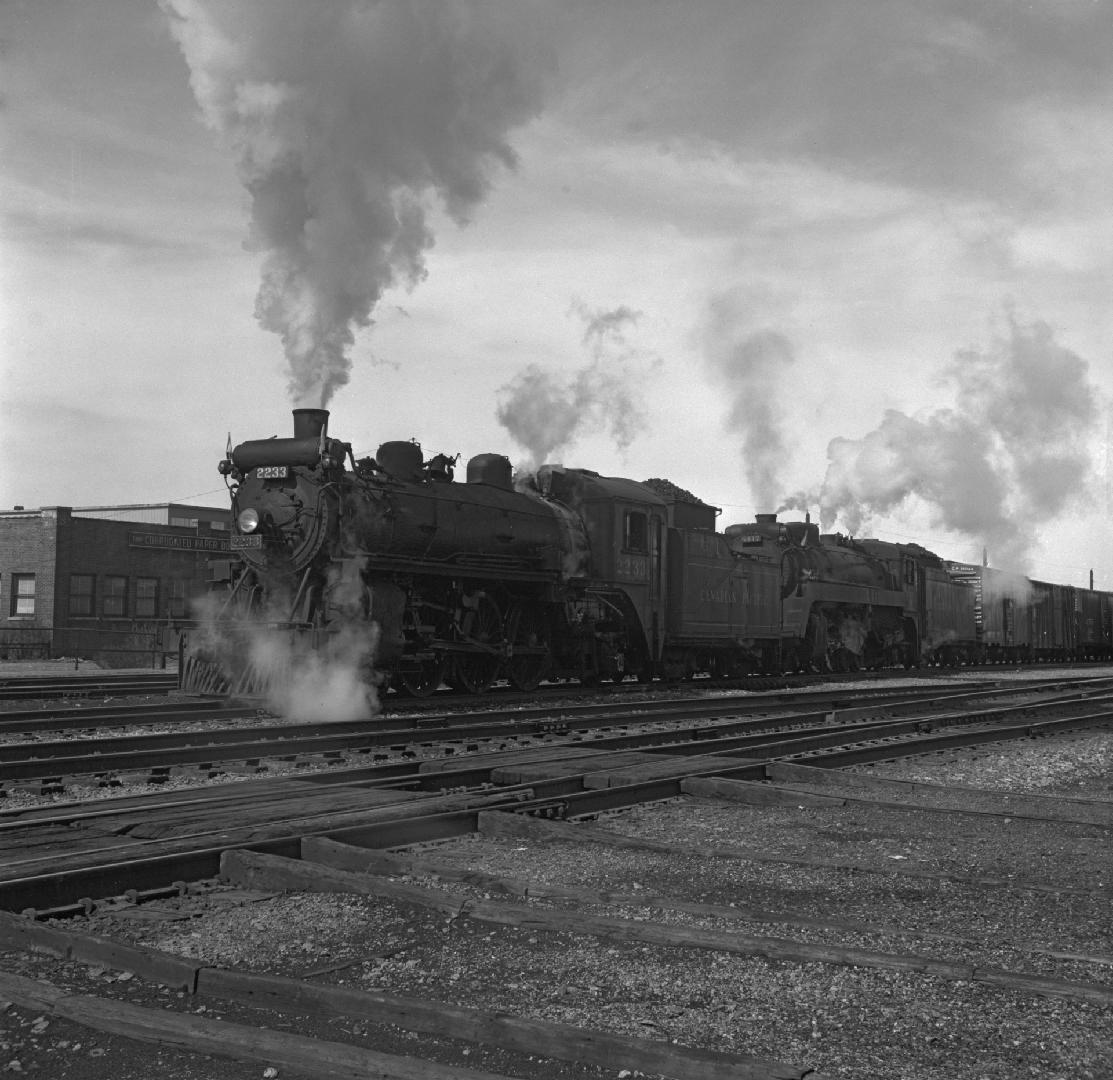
(108,583)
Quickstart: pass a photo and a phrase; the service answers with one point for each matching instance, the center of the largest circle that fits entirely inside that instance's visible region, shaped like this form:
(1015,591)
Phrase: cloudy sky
(853,257)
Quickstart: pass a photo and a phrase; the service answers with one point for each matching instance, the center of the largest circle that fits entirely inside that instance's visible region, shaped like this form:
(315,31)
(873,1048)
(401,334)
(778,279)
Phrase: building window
(23,594)
(81,595)
(115,602)
(177,599)
(635,533)
(146,598)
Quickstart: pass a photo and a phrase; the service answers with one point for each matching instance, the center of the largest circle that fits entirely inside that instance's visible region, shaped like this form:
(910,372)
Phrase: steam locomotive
(567,575)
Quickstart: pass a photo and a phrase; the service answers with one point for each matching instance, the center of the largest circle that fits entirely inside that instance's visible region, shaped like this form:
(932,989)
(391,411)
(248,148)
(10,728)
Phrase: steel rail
(420,714)
(936,741)
(561,797)
(159,752)
(98,716)
(82,685)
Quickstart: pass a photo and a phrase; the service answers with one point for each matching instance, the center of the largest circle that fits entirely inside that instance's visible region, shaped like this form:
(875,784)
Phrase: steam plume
(345,117)
(1010,456)
(330,683)
(545,413)
(333,682)
(753,367)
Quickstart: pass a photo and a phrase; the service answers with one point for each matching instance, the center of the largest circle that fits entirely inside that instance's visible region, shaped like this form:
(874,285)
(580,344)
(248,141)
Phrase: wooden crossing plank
(45,844)
(105,850)
(660,766)
(553,768)
(509,757)
(248,813)
(111,832)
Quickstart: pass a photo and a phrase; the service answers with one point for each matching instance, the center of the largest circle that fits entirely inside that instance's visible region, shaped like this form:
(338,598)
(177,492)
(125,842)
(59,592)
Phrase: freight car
(1095,624)
(1021,620)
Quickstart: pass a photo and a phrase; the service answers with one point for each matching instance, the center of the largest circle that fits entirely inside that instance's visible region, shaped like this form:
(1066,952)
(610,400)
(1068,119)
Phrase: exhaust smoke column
(753,367)
(544,412)
(346,117)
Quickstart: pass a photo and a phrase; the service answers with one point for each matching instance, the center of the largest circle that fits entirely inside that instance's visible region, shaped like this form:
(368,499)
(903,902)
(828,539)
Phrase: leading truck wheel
(473,672)
(424,680)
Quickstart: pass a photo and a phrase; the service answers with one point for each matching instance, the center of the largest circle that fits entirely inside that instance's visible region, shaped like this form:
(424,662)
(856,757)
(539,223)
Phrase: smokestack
(985,556)
(1091,581)
(310,423)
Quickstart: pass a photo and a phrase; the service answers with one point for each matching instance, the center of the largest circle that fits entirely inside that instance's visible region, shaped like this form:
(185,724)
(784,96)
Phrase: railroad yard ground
(694,922)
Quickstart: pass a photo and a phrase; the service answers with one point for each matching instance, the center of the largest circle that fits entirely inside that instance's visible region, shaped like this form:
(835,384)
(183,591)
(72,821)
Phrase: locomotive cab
(619,596)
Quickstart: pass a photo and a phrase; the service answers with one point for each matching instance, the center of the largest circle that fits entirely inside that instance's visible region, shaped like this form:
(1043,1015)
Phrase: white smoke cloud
(346,116)
(332,681)
(1009,456)
(544,412)
(753,366)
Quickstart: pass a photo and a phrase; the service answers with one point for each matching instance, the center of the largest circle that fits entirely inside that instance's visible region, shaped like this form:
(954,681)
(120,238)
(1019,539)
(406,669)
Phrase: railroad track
(835,910)
(14,687)
(790,682)
(728,724)
(594,760)
(18,687)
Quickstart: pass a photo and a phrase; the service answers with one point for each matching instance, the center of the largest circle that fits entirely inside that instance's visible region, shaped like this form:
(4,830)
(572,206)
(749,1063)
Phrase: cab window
(635,532)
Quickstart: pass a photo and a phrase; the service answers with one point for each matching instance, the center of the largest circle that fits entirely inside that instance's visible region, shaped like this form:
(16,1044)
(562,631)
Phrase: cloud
(76,229)
(922,97)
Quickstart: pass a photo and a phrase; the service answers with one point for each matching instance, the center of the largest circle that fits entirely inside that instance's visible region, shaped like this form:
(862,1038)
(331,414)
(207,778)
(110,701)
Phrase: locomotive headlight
(248,520)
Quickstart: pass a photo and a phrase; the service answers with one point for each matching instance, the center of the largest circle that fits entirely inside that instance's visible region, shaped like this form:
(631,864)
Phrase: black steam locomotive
(568,575)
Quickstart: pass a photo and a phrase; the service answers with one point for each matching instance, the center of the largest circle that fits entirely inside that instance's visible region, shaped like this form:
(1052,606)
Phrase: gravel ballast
(895,882)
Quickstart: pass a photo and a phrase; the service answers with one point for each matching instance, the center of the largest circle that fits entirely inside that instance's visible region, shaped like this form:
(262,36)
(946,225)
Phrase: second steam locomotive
(576,575)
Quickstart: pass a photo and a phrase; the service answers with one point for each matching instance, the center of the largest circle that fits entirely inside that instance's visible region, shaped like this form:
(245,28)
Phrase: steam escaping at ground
(1009,456)
(545,413)
(333,682)
(328,683)
(753,367)
(345,118)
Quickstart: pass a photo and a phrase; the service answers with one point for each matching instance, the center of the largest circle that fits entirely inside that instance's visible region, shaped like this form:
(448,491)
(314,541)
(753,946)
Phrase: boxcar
(1095,624)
